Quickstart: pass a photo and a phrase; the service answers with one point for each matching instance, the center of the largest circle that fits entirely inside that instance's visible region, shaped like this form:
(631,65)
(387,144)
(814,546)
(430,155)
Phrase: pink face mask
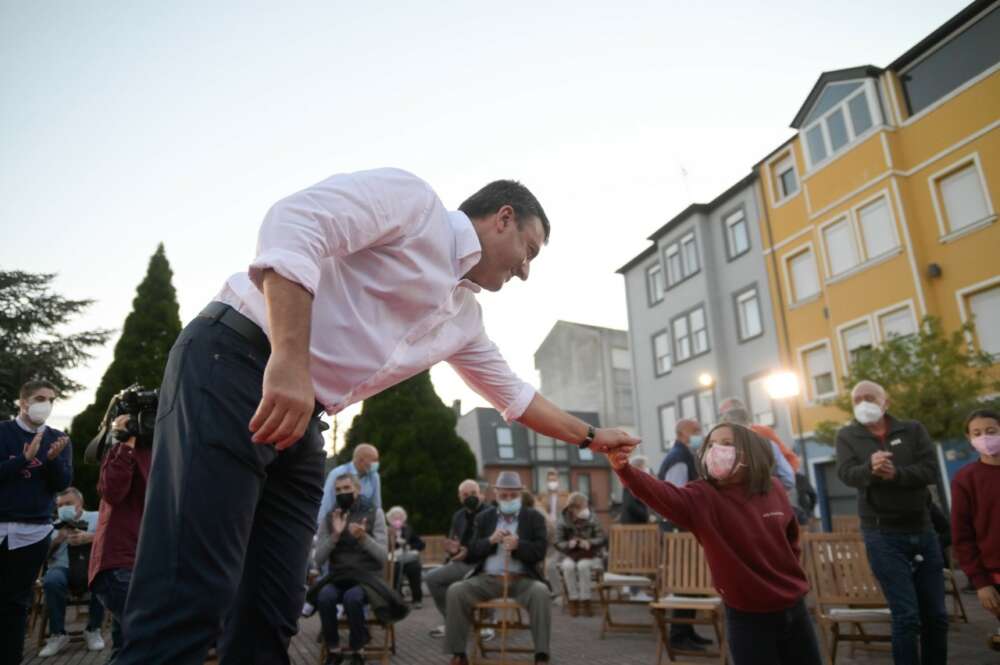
(397,524)
(720,461)
(987,444)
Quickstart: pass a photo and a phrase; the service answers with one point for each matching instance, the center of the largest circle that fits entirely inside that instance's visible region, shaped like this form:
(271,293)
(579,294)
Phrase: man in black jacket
(456,547)
(510,541)
(633,510)
(891,462)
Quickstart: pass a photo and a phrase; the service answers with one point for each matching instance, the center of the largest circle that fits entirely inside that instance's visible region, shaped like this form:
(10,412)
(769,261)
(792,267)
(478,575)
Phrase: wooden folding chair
(433,555)
(381,650)
(845,524)
(503,615)
(633,562)
(686,584)
(951,588)
(845,589)
(596,577)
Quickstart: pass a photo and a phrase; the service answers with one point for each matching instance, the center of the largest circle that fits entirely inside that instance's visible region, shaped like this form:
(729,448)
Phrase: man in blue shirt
(364,465)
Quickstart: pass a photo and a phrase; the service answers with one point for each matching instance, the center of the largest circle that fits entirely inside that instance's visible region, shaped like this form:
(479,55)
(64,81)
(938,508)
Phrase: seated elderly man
(64,576)
(510,540)
(352,539)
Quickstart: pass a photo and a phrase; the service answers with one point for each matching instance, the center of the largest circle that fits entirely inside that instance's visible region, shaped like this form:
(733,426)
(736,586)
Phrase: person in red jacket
(122,486)
(975,512)
(748,531)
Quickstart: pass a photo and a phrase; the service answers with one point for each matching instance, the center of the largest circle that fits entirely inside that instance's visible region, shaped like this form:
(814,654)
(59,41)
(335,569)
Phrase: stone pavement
(574,640)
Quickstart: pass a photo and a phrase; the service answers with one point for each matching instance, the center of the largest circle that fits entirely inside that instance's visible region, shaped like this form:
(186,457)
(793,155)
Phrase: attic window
(843,113)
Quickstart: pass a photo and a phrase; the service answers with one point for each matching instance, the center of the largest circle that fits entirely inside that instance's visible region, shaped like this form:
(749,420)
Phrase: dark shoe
(459,659)
(541,659)
(698,639)
(333,658)
(687,644)
(356,659)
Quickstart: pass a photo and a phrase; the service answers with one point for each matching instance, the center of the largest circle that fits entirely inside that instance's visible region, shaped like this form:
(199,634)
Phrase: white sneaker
(487,634)
(308,610)
(53,645)
(94,640)
(437,632)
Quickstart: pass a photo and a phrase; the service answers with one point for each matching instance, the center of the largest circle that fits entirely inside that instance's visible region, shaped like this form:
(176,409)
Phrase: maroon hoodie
(751,543)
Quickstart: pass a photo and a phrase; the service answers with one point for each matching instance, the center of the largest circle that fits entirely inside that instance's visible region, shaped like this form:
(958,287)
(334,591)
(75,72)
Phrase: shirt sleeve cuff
(289,265)
(519,405)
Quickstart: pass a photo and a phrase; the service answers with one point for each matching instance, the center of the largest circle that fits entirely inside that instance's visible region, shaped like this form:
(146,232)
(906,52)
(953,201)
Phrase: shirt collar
(468,250)
(26,426)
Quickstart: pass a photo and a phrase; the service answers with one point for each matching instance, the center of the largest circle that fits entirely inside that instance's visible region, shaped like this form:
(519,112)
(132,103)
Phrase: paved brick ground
(574,641)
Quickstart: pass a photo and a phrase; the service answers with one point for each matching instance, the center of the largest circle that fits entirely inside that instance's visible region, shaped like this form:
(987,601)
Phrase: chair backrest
(845,523)
(839,571)
(433,554)
(685,570)
(634,549)
(390,559)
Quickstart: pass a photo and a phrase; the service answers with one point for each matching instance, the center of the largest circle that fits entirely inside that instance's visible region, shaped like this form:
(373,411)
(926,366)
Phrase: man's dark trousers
(915,593)
(228,523)
(18,571)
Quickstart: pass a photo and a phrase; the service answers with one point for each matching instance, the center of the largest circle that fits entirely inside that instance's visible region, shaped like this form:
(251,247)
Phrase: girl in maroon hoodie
(745,524)
(975,512)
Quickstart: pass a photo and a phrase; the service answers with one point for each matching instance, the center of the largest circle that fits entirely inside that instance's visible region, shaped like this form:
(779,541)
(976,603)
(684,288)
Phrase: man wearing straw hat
(507,551)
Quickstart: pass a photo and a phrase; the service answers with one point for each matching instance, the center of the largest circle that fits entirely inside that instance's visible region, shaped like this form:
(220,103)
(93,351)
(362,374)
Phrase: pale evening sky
(124,124)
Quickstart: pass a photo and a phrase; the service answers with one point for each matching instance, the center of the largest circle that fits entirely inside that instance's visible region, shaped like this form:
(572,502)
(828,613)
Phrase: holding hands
(882,466)
(618,458)
(608,440)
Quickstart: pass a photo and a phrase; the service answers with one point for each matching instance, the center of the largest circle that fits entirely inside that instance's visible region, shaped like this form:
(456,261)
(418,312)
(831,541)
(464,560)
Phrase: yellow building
(883,207)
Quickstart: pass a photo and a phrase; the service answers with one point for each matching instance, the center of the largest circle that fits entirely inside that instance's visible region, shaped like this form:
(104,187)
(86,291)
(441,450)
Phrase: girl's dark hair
(981,413)
(752,450)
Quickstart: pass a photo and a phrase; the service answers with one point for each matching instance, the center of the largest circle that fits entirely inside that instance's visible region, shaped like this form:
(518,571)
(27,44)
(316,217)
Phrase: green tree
(422,458)
(30,345)
(140,357)
(930,376)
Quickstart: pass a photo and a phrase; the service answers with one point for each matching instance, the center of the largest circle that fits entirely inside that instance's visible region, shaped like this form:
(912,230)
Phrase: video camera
(79,525)
(139,405)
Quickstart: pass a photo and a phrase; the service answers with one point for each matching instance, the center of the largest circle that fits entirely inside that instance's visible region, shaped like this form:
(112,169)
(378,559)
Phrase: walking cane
(503,610)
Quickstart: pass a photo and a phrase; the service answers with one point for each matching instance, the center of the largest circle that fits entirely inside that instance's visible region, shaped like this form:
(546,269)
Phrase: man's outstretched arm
(546,418)
(288,400)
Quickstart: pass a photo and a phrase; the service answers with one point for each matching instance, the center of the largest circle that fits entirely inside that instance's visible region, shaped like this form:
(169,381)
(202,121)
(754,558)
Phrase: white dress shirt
(385,262)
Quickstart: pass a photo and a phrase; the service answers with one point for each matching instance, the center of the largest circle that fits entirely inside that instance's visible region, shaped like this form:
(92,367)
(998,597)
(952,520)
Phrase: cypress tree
(422,458)
(140,357)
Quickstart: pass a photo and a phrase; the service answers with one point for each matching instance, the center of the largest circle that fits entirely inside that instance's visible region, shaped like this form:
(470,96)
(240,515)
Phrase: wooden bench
(845,590)
(685,583)
(433,555)
(845,524)
(633,562)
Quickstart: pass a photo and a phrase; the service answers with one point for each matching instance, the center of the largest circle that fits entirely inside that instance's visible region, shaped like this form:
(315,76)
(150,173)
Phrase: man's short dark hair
(499,193)
(29,388)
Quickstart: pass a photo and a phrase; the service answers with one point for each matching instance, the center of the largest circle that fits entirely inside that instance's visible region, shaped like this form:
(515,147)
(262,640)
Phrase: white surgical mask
(867,413)
(39,412)
(584,514)
(67,513)
(553,485)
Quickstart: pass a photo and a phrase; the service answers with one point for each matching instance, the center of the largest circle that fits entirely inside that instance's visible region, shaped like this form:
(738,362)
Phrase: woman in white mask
(581,540)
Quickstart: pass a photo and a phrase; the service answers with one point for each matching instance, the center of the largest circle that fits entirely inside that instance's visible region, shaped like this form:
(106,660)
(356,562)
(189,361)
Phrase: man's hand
(606,440)
(31,449)
(618,458)
(990,599)
(585,544)
(75,537)
(510,542)
(572,543)
(498,535)
(882,466)
(338,521)
(121,424)
(451,546)
(57,447)
(359,531)
(61,535)
(287,403)
(460,556)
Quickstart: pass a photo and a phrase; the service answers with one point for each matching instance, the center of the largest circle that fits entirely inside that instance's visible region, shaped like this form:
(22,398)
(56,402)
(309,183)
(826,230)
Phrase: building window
(737,234)
(748,314)
(654,283)
(802,273)
(690,334)
(955,62)
(505,443)
(840,246)
(548,449)
(621,358)
(681,259)
(621,369)
(583,484)
(759,401)
(818,365)
(661,353)
(785,179)
(706,409)
(856,340)
(960,198)
(668,425)
(675,272)
(878,233)
(691,264)
(689,406)
(843,113)
(985,308)
(898,322)
(586,454)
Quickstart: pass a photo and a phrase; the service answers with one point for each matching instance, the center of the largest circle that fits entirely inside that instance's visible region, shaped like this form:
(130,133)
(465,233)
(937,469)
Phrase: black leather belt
(238,323)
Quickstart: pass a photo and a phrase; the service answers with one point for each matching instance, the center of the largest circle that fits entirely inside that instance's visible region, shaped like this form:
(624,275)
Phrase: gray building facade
(701,323)
(588,368)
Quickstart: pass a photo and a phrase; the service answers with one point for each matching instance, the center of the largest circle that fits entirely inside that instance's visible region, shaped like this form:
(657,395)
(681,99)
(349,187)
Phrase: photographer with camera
(67,572)
(35,463)
(122,485)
